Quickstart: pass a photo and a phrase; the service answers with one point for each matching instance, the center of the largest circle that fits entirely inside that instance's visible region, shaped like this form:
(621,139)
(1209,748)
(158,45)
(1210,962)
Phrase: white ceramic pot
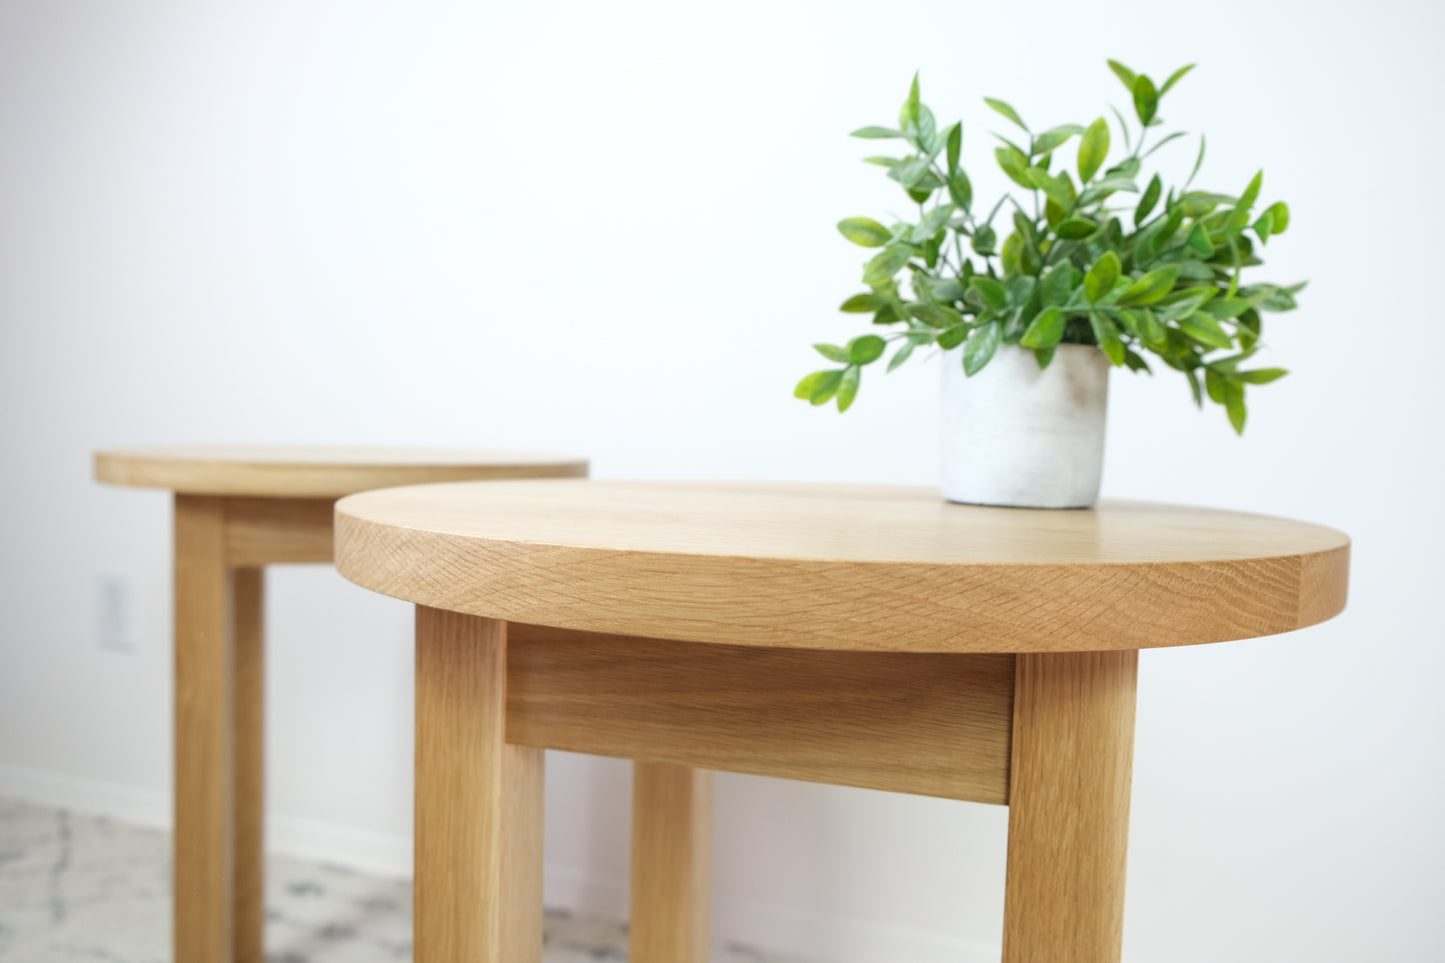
(1020,437)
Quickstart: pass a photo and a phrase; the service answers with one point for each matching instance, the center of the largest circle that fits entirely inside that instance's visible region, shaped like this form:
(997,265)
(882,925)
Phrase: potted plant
(1099,268)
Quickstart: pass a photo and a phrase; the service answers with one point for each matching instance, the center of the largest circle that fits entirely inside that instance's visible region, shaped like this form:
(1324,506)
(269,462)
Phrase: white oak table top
(313,471)
(840,567)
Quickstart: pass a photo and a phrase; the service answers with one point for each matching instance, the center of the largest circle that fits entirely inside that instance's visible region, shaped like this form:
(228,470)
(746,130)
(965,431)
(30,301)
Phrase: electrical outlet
(115,611)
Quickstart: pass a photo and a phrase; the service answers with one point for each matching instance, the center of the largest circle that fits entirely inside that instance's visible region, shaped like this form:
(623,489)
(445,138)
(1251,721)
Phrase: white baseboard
(753,923)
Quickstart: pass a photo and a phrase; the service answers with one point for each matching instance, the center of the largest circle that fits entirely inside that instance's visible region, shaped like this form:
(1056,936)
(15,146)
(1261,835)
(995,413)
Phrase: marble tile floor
(83,889)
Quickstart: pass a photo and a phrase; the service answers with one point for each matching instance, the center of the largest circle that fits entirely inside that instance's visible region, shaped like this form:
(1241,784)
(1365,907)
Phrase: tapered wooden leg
(478,801)
(248,733)
(204,653)
(1073,744)
(671,850)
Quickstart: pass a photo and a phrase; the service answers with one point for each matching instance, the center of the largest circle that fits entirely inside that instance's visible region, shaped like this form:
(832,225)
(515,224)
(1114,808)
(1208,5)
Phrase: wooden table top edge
(296,471)
(1003,607)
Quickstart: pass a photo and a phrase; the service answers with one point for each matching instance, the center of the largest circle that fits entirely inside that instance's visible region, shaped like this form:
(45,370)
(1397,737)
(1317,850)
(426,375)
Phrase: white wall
(607,228)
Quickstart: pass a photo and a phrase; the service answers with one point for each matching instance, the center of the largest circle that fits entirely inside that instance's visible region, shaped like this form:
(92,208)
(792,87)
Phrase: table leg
(204,829)
(1073,741)
(248,733)
(671,848)
(478,801)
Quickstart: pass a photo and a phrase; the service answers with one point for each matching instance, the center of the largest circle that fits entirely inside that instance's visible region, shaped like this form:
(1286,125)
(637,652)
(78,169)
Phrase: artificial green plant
(1160,274)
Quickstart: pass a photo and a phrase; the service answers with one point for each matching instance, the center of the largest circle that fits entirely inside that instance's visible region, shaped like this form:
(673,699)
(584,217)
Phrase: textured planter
(1020,437)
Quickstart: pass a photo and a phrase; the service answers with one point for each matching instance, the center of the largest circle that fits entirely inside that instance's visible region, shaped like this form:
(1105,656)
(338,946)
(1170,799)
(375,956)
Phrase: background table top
(316,471)
(841,567)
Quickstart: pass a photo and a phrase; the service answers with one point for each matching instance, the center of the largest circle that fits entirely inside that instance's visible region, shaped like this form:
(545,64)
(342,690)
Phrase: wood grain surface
(316,471)
(248,734)
(270,531)
(840,567)
(671,861)
(204,748)
(936,725)
(1069,807)
(473,887)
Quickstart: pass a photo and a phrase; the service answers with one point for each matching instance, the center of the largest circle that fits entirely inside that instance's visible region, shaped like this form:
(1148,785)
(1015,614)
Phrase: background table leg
(204,656)
(475,889)
(249,730)
(1073,744)
(671,850)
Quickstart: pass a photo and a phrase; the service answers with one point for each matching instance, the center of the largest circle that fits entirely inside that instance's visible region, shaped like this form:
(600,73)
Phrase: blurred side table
(237,510)
(862,636)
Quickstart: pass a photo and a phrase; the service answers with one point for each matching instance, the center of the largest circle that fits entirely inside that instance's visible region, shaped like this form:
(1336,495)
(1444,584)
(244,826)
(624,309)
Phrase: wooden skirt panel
(270,531)
(933,725)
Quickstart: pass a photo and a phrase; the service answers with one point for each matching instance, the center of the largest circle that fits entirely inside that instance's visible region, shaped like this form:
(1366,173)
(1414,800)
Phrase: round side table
(237,510)
(863,636)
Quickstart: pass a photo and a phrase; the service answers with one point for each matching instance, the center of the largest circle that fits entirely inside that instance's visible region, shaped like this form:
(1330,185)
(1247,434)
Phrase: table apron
(270,531)
(929,724)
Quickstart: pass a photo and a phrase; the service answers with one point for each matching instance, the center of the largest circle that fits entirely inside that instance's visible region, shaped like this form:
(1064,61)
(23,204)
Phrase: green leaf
(1151,332)
(908,113)
(1279,216)
(1007,111)
(1015,164)
(1108,337)
(819,386)
(887,263)
(1056,189)
(1224,309)
(950,338)
(1234,404)
(1045,330)
(1147,202)
(925,132)
(936,315)
(864,349)
(904,352)
(990,291)
(1019,290)
(1175,77)
(877,133)
(1199,241)
(883,161)
(910,172)
(862,304)
(1151,287)
(1198,163)
(1055,287)
(1077,228)
(1280,300)
(1093,148)
(960,189)
(982,342)
(1055,137)
(1204,329)
(1264,227)
(984,240)
(955,146)
(1123,73)
(1175,310)
(1194,387)
(1261,376)
(1214,383)
(1251,193)
(1171,137)
(1101,277)
(864,231)
(833,353)
(1136,363)
(1146,99)
(1123,127)
(848,387)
